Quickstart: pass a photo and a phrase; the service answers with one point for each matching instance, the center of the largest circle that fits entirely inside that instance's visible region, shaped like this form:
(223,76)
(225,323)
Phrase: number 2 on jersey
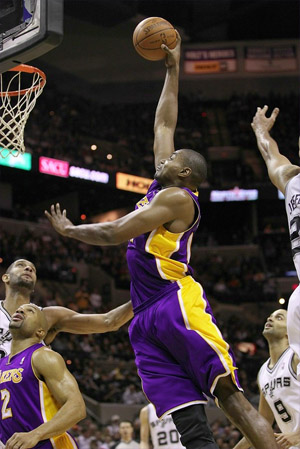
(5,411)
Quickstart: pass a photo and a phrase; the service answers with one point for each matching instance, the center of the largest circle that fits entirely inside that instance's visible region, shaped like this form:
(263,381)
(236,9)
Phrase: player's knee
(191,423)
(225,388)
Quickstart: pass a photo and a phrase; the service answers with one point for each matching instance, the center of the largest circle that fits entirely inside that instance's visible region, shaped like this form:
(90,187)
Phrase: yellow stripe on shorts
(193,305)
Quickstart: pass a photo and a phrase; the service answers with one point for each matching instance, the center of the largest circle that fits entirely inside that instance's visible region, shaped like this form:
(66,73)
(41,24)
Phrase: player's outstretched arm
(167,108)
(61,319)
(168,205)
(144,428)
(280,169)
(50,367)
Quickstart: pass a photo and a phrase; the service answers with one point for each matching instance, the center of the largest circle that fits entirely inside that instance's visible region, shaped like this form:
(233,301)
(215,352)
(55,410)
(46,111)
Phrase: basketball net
(19,89)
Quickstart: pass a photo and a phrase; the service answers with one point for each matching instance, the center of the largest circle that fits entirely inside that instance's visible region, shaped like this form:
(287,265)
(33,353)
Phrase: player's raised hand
(172,55)
(261,122)
(58,219)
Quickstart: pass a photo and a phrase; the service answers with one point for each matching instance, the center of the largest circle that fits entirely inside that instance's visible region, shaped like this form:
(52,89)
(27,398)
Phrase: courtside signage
(22,161)
(235,194)
(132,183)
(54,167)
(89,175)
(210,60)
(279,58)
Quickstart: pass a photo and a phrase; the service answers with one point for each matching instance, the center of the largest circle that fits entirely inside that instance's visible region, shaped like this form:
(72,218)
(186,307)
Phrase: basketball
(150,34)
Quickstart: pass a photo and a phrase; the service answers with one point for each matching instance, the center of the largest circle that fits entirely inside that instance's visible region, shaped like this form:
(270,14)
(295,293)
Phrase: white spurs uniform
(164,434)
(281,390)
(5,337)
(292,204)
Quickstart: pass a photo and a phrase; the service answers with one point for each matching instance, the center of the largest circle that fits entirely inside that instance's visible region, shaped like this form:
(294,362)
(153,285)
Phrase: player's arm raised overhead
(50,367)
(61,319)
(168,206)
(167,108)
(280,169)
(144,430)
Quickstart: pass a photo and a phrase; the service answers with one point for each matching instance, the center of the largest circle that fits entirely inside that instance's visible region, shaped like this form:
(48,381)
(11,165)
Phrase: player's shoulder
(45,354)
(174,194)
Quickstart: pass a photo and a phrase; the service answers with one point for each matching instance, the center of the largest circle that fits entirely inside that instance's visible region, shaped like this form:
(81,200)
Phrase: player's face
(126,430)
(168,169)
(276,324)
(22,274)
(26,319)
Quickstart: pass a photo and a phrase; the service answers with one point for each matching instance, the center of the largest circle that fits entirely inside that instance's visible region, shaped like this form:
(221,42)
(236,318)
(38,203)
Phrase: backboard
(28,29)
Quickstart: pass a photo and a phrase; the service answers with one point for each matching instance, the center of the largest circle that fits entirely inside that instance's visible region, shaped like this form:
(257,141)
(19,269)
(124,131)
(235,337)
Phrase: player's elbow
(110,322)
(80,409)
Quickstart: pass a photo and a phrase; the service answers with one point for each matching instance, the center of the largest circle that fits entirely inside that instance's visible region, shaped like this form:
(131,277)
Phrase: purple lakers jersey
(159,258)
(26,402)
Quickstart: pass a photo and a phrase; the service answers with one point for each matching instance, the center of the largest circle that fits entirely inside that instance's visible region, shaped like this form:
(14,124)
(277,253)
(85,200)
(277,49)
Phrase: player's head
(126,430)
(184,167)
(275,326)
(28,321)
(20,275)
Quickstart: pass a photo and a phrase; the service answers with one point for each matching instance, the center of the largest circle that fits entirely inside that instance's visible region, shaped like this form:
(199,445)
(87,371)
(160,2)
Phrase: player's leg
(168,386)
(241,413)
(191,423)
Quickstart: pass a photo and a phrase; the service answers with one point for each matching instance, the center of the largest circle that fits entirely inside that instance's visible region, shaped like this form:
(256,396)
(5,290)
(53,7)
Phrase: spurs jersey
(281,389)
(292,205)
(5,337)
(26,401)
(163,431)
(157,259)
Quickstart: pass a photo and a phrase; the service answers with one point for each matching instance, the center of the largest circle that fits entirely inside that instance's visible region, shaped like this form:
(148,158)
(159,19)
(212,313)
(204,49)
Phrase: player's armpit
(280,175)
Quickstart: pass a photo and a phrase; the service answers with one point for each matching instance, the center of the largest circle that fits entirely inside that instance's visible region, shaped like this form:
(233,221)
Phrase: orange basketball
(150,34)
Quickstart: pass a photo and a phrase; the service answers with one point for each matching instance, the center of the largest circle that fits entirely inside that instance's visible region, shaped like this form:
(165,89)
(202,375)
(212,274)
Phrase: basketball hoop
(19,89)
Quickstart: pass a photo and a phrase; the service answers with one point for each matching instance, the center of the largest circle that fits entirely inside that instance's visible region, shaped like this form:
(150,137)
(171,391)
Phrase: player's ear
(185,172)
(5,278)
(41,333)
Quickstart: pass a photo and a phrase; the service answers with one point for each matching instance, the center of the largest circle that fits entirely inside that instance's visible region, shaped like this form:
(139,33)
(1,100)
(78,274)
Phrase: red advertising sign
(53,167)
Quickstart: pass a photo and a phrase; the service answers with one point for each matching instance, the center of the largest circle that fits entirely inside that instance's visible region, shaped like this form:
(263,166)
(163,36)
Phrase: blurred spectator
(133,396)
(126,437)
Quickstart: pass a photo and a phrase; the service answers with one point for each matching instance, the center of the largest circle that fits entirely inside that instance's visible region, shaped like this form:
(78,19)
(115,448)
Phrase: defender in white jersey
(163,432)
(286,177)
(278,384)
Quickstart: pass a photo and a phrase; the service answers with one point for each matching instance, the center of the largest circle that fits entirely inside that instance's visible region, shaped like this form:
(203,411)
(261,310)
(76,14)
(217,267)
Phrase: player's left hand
(22,440)
(261,122)
(286,440)
(58,219)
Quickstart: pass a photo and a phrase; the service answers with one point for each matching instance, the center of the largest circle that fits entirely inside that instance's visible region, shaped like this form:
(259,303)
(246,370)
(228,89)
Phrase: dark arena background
(89,147)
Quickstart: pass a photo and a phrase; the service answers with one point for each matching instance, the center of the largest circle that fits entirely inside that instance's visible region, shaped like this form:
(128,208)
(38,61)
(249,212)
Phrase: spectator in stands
(126,437)
(114,426)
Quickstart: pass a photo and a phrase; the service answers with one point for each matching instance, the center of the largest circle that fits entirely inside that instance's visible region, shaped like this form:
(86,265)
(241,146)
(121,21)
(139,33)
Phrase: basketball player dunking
(180,353)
